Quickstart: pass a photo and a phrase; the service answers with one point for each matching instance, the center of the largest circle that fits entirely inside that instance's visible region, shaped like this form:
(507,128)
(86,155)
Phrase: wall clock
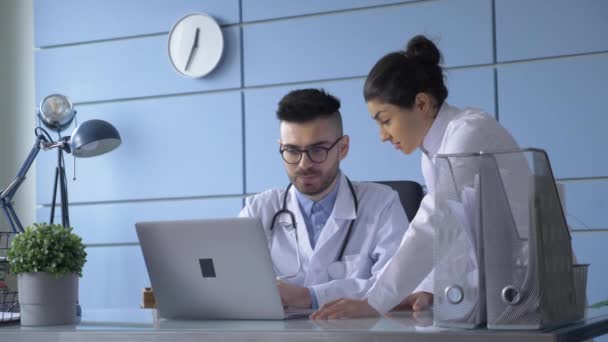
(195,45)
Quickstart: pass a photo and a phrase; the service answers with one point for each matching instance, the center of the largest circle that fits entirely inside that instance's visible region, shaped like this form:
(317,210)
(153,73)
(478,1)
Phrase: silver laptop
(211,269)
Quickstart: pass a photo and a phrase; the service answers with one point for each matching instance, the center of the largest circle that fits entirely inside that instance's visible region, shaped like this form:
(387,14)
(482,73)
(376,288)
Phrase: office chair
(410,195)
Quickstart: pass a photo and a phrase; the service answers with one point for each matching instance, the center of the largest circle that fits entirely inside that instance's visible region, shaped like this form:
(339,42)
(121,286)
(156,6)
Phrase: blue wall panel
(71,21)
(126,69)
(172,147)
(542,28)
(591,248)
(269,9)
(587,204)
(556,105)
(113,277)
(115,222)
(348,44)
(263,164)
(471,88)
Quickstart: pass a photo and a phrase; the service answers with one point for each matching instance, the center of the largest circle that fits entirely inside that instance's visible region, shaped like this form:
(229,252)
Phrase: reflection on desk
(141,325)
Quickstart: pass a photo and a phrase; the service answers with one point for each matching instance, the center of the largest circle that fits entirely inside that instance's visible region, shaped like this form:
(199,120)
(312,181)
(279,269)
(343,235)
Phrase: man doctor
(328,237)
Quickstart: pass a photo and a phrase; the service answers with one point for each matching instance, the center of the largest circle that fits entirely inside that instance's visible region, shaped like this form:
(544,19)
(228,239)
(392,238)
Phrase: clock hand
(193,49)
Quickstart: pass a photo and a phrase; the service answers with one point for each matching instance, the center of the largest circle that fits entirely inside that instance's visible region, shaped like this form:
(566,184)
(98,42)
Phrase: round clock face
(195,45)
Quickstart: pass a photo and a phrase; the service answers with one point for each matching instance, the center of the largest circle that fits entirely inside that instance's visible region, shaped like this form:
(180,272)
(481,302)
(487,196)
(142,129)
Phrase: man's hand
(344,308)
(294,296)
(417,301)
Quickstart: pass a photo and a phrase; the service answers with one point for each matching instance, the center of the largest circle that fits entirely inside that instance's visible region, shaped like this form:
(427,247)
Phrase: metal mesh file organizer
(9,302)
(504,255)
(459,281)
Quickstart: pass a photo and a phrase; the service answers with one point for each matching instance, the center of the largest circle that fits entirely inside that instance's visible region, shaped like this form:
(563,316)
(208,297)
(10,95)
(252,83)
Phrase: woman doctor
(405,95)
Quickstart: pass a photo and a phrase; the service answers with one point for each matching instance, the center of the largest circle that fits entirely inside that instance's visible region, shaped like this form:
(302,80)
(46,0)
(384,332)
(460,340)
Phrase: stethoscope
(284,210)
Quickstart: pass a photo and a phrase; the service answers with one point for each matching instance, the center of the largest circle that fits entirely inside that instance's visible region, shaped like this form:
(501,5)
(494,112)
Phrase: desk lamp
(91,138)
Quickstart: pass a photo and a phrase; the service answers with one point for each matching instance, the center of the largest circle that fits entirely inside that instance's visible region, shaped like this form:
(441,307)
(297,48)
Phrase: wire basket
(9,306)
(5,240)
(9,300)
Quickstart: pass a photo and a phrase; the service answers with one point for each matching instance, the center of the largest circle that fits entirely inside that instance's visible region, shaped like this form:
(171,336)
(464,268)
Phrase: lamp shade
(94,137)
(56,112)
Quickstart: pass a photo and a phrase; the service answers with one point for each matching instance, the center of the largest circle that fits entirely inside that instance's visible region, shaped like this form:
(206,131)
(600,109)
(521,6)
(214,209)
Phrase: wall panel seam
(582,179)
(333,79)
(344,10)
(241,23)
(242,93)
(246,194)
(589,230)
(494,59)
(111,244)
(147,200)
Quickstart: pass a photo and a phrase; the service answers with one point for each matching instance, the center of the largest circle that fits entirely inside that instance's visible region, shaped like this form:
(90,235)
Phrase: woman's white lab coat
(379,227)
(453,131)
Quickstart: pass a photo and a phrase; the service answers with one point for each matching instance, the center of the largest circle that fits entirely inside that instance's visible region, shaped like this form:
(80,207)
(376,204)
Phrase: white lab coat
(379,227)
(453,131)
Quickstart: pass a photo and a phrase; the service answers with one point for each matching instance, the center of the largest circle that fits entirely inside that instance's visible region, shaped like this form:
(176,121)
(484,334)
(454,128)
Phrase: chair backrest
(410,195)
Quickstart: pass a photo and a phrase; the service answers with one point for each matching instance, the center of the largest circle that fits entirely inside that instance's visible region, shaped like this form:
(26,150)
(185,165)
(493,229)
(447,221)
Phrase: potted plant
(47,259)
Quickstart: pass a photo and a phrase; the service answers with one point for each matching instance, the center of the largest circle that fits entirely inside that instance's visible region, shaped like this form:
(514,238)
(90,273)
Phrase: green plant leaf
(45,247)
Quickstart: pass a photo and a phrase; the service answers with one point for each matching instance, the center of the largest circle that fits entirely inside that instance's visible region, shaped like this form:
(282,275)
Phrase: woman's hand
(345,308)
(417,301)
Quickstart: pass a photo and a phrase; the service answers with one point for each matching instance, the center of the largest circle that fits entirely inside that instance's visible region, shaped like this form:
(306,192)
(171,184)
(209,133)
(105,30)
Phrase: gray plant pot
(46,300)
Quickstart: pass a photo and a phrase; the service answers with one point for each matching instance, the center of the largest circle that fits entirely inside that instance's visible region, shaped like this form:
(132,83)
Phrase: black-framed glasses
(316,154)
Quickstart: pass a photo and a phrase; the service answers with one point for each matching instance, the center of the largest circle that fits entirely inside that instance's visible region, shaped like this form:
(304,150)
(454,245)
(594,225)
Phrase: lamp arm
(6,195)
(63,144)
(41,143)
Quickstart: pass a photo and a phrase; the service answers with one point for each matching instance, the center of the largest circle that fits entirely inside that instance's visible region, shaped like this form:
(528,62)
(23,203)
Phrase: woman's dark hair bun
(423,49)
(399,76)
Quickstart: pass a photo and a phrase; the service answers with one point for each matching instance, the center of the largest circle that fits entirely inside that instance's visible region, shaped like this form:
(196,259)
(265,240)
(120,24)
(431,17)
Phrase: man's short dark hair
(305,105)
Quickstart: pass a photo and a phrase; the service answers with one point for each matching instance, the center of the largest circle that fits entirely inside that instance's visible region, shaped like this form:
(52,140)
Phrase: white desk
(139,325)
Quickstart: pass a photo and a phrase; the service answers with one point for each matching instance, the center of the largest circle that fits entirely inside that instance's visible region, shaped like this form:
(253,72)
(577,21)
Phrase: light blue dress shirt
(315,216)
(316,213)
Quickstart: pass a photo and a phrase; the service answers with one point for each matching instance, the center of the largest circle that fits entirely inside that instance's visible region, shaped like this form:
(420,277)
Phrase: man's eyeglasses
(317,154)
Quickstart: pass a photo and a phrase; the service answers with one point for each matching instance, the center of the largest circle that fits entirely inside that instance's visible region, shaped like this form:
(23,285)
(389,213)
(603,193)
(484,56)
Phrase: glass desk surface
(140,324)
